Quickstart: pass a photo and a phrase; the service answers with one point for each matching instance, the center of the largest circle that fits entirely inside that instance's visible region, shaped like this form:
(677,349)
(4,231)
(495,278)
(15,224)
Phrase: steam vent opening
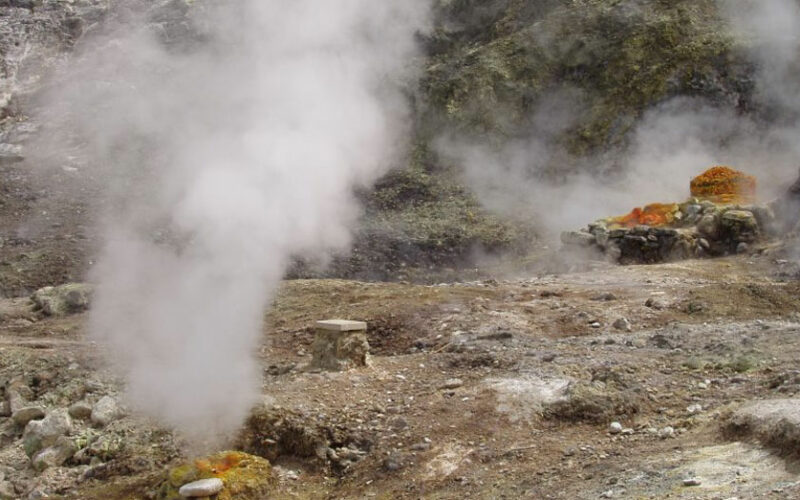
(721,217)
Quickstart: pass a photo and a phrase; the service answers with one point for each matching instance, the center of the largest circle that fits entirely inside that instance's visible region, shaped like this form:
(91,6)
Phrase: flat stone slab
(773,422)
(341,325)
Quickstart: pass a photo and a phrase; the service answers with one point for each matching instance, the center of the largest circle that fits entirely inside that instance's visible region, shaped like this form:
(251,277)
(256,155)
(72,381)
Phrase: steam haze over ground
(673,142)
(221,159)
(187,186)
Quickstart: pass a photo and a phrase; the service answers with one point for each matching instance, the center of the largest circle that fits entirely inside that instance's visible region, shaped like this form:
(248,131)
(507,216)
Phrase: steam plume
(228,137)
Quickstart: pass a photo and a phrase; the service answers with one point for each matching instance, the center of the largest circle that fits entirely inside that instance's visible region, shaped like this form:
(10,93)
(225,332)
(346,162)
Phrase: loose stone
(622,324)
(453,383)
(201,488)
(43,433)
(694,409)
(80,410)
(22,416)
(105,411)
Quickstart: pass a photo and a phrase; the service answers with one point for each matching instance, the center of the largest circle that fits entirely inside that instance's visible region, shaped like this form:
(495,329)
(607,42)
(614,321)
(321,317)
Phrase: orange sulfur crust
(655,214)
(722,184)
(218,466)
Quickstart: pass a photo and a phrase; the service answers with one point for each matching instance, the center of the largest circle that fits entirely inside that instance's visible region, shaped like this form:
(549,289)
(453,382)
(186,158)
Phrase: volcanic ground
(488,389)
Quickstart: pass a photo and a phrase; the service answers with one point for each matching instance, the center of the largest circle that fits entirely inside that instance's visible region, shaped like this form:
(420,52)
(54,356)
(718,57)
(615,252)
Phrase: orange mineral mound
(722,184)
(219,464)
(655,214)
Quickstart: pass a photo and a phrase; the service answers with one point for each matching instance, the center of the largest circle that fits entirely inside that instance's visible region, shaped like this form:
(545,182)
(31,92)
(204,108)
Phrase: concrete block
(340,345)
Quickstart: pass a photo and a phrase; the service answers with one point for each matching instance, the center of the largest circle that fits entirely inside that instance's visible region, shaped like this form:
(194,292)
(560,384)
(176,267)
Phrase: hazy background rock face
(529,118)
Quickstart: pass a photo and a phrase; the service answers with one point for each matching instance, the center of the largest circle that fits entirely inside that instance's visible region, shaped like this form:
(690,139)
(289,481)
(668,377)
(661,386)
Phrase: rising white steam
(228,136)
(773,28)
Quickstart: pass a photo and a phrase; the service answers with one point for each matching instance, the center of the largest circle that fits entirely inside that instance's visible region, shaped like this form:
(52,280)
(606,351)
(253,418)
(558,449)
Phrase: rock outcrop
(62,300)
(774,422)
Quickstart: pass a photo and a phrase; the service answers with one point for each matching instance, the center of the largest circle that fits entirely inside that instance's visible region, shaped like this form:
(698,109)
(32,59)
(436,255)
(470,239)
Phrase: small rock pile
(49,432)
(273,432)
(701,228)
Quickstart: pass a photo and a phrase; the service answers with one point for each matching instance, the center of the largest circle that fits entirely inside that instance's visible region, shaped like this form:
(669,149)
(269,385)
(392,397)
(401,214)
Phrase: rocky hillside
(493,63)
(494,68)
(488,67)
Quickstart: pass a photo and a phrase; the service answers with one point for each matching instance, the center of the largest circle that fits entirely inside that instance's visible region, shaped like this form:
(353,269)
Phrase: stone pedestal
(340,344)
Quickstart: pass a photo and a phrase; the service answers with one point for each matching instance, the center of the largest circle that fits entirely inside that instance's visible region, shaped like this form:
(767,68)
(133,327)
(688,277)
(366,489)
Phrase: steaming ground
(486,389)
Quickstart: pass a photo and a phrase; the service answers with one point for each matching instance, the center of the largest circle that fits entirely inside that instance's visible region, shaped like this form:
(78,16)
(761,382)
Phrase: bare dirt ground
(491,389)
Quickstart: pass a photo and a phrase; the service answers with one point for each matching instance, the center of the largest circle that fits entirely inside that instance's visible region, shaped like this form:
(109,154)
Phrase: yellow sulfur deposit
(246,477)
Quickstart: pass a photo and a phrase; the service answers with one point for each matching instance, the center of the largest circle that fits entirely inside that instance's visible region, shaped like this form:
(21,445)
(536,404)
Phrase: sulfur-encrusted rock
(62,300)
(700,228)
(721,218)
(105,447)
(243,476)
